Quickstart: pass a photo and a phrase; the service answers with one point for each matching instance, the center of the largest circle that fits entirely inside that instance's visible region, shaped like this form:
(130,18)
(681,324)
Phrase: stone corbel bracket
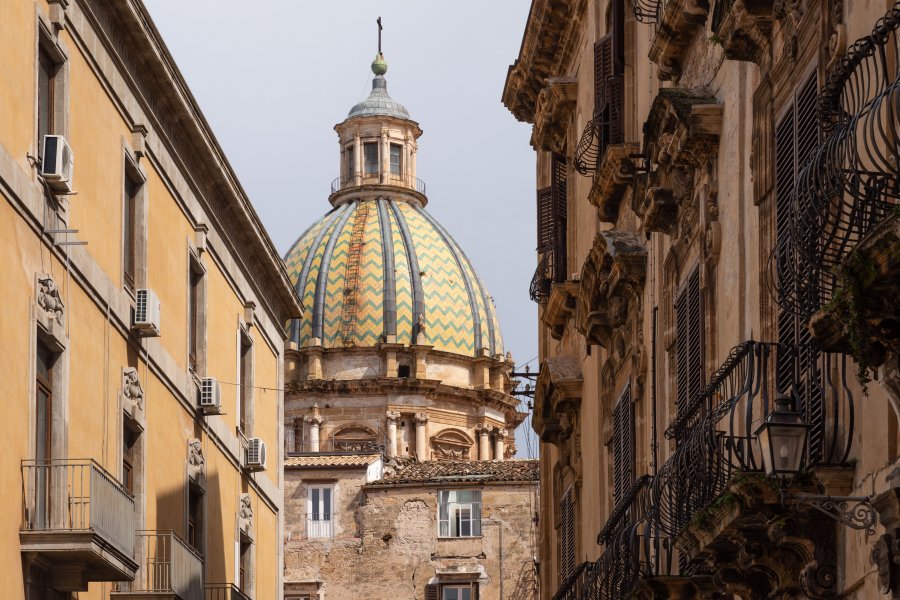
(681,20)
(615,175)
(560,307)
(612,277)
(745,30)
(553,112)
(557,394)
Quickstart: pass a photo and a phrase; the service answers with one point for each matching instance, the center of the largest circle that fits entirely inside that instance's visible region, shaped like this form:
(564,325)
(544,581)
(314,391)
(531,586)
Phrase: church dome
(382,269)
(379,103)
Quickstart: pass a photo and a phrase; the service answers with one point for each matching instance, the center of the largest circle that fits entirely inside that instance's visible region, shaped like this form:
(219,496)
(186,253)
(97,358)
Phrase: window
(552,209)
(566,536)
(351,162)
(43,430)
(319,506)
(129,441)
(245,389)
(623,445)
(396,149)
(370,150)
(47,70)
(244,565)
(195,517)
(459,513)
(456,591)
(688,343)
(130,234)
(195,292)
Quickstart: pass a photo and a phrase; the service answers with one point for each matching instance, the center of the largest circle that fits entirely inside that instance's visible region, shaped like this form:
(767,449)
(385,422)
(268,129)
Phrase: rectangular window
(129,440)
(47,69)
(245,380)
(194,312)
(319,507)
(195,518)
(370,150)
(43,430)
(396,149)
(689,342)
(351,162)
(129,226)
(459,513)
(245,566)
(623,445)
(457,592)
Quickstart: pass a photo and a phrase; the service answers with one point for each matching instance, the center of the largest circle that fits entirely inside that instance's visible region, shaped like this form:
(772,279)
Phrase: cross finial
(379,35)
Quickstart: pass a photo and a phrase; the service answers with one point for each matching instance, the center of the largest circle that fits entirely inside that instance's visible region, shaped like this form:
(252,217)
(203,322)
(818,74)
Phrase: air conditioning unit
(58,163)
(210,395)
(146,313)
(256,455)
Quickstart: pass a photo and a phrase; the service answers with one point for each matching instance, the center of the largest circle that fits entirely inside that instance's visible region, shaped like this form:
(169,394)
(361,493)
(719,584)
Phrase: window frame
(49,51)
(245,381)
(449,514)
(319,510)
(399,164)
(196,310)
(375,167)
(245,565)
(133,182)
(195,529)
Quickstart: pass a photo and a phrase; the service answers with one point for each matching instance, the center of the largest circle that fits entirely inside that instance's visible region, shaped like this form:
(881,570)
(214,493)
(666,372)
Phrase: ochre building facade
(716,266)
(143,337)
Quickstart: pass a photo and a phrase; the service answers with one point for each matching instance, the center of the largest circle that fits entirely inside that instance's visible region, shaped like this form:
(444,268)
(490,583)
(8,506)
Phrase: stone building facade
(136,279)
(397,365)
(717,230)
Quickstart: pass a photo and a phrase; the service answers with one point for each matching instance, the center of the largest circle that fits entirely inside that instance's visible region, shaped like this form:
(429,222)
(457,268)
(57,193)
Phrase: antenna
(379,35)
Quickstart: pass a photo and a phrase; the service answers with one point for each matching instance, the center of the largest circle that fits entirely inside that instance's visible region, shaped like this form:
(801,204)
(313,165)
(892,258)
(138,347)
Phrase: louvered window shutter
(431,592)
(623,446)
(475,591)
(567,536)
(544,220)
(603,69)
(689,342)
(559,201)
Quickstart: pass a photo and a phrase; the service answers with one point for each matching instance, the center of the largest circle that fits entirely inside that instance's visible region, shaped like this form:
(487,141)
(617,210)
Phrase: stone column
(499,444)
(358,155)
(385,158)
(289,439)
(315,420)
(484,441)
(421,441)
(392,417)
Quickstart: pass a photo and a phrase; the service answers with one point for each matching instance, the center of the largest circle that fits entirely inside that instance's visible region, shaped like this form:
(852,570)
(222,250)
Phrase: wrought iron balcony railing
(542,281)
(648,11)
(348,181)
(852,181)
(224,591)
(605,128)
(572,588)
(714,444)
(168,568)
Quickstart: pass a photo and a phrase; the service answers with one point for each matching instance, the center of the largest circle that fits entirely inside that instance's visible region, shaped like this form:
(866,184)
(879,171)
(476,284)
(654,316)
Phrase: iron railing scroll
(77,495)
(542,280)
(852,181)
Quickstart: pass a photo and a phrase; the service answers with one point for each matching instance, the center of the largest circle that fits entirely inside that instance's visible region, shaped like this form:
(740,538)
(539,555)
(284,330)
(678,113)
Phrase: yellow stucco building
(142,332)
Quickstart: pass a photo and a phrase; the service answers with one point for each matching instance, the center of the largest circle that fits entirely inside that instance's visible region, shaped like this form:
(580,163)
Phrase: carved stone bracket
(132,393)
(49,300)
(745,29)
(560,307)
(612,280)
(680,22)
(196,463)
(245,515)
(553,113)
(615,175)
(557,392)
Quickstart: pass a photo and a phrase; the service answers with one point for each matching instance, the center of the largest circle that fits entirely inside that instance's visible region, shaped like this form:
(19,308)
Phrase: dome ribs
(351,274)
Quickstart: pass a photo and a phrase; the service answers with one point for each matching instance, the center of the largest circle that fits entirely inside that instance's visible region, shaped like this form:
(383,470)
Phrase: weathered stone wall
(395,551)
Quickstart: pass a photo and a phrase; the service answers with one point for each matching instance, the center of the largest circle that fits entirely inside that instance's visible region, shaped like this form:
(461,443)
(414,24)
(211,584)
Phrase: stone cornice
(551,36)
(560,307)
(136,47)
(615,174)
(554,109)
(681,20)
(557,395)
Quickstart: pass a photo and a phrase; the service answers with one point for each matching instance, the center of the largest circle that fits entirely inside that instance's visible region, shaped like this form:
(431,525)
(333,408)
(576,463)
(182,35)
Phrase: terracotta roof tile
(331,460)
(461,470)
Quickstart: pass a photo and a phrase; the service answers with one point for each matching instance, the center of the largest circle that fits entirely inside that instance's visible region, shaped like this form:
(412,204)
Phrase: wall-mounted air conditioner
(58,163)
(210,395)
(146,313)
(256,455)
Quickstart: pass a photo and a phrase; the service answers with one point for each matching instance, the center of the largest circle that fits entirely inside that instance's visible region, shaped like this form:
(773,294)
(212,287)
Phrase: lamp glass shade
(782,446)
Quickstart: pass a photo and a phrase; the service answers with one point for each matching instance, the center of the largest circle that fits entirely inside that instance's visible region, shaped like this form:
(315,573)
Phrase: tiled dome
(367,270)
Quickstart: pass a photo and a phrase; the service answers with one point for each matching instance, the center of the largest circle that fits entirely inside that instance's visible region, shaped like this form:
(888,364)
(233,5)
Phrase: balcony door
(320,523)
(43,435)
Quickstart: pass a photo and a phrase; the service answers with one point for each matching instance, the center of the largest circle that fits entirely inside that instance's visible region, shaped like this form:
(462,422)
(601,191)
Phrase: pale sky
(273,77)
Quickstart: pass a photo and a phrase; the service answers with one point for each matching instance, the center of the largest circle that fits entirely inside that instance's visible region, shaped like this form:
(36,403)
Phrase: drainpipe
(500,542)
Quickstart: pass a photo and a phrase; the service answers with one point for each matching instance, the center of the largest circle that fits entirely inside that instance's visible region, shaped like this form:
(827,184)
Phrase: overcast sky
(273,77)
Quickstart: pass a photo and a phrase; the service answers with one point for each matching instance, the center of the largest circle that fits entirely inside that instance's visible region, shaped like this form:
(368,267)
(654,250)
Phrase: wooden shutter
(623,445)
(475,591)
(560,207)
(544,220)
(566,536)
(603,70)
(432,591)
(689,342)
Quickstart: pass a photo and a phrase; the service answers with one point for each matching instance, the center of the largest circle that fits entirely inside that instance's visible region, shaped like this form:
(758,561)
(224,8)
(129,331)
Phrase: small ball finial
(379,66)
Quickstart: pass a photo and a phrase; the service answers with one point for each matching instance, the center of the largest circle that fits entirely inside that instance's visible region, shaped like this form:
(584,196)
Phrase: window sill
(460,537)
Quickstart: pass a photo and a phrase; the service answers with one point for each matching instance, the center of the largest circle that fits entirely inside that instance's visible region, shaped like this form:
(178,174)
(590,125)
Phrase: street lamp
(782,439)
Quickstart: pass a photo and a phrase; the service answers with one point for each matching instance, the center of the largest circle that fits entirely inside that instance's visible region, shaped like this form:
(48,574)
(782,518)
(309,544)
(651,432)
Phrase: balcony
(78,520)
(224,591)
(744,28)
(345,182)
(169,569)
(572,588)
(678,21)
(322,528)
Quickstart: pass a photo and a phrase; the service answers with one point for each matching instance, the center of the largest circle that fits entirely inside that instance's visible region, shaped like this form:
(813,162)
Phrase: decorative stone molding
(132,392)
(196,463)
(451,444)
(315,416)
(553,113)
(49,300)
(612,283)
(355,438)
(392,416)
(745,29)
(557,394)
(615,175)
(245,515)
(551,36)
(560,307)
(681,21)
(421,417)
